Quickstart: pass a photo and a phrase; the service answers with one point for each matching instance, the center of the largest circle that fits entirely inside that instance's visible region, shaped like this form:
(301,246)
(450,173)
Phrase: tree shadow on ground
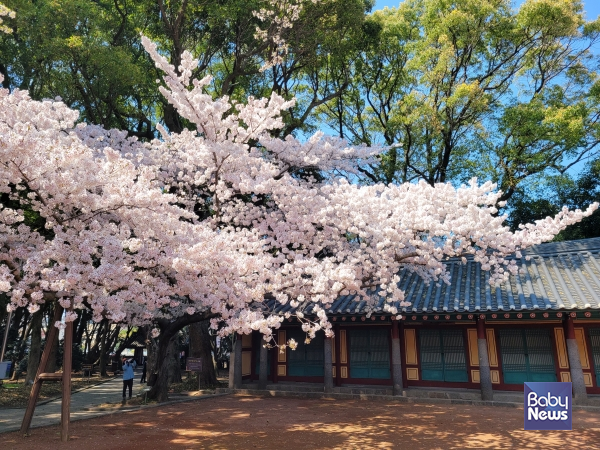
(252,422)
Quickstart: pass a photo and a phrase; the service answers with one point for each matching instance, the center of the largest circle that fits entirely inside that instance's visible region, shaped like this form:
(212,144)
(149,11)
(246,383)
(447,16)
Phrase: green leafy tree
(473,87)
(86,53)
(556,192)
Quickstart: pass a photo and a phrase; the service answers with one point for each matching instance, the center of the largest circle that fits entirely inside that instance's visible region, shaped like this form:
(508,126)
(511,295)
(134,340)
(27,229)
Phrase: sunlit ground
(279,423)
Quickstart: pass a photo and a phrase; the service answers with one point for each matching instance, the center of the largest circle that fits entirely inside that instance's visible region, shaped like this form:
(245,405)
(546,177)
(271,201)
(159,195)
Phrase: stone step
(450,395)
(363,390)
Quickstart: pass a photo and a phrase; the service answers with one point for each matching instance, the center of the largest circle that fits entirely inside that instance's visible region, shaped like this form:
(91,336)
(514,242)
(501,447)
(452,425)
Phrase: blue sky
(591,7)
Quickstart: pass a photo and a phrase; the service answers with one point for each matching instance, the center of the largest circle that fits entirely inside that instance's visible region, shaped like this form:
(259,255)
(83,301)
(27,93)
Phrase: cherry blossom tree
(205,223)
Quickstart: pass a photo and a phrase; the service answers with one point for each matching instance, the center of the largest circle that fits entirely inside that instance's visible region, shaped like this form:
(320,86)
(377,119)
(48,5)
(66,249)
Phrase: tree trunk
(13,336)
(201,347)
(169,330)
(21,343)
(159,391)
(35,351)
(103,349)
(83,320)
(54,344)
(173,364)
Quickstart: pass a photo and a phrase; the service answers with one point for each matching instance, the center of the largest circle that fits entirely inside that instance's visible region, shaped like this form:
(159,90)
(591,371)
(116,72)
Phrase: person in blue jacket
(127,377)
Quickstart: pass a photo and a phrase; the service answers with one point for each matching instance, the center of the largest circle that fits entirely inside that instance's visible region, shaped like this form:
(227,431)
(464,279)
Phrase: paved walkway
(82,405)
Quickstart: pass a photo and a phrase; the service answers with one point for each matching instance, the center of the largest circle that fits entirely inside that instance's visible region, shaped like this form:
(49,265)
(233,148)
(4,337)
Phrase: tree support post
(41,375)
(396,360)
(579,391)
(65,413)
(262,370)
(485,376)
(237,363)
(328,367)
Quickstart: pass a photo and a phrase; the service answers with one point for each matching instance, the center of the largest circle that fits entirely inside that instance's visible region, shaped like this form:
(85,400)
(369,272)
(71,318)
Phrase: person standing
(127,378)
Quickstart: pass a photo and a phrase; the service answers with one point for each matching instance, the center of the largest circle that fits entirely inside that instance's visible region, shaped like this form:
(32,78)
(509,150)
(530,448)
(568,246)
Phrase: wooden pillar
(274,354)
(65,413)
(396,360)
(328,366)
(262,369)
(485,376)
(237,363)
(338,357)
(231,366)
(37,384)
(578,383)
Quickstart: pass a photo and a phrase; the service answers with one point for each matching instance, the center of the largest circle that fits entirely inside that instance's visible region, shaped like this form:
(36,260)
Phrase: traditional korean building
(543,324)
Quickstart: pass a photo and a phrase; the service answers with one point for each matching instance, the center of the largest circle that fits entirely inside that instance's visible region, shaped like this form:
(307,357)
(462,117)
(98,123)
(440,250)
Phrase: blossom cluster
(277,17)
(225,218)
(4,11)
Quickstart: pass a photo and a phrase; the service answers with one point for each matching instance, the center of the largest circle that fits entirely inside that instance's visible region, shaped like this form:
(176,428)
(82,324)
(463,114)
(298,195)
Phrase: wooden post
(274,355)
(237,363)
(37,384)
(262,369)
(328,366)
(231,365)
(65,416)
(485,376)
(338,357)
(396,359)
(578,383)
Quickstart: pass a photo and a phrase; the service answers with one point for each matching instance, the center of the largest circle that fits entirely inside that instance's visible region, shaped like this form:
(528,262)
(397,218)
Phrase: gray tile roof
(562,275)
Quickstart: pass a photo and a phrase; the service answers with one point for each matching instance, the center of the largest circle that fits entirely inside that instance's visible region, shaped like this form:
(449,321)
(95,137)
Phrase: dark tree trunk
(79,328)
(35,350)
(201,347)
(51,367)
(151,358)
(21,342)
(159,391)
(173,364)
(104,348)
(13,337)
(4,300)
(169,330)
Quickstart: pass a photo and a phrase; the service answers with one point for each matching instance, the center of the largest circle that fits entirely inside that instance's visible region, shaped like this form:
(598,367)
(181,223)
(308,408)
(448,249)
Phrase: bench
(88,369)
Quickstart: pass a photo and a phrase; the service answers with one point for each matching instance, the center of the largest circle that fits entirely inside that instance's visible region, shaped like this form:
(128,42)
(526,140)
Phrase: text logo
(548,406)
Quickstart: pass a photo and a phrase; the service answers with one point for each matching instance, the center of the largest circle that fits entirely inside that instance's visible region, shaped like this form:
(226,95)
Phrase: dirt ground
(232,422)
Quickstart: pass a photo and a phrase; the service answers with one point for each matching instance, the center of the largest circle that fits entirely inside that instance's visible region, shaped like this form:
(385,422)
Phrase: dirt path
(283,423)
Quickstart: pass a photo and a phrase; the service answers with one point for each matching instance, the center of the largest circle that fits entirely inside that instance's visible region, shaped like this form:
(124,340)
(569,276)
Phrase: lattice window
(527,355)
(369,353)
(595,341)
(308,359)
(443,355)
